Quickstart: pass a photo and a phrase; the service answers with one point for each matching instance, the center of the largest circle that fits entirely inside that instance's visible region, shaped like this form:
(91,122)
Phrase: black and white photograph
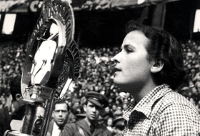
(99,68)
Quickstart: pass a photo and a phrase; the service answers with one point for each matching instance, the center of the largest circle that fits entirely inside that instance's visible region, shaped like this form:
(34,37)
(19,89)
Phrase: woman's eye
(128,50)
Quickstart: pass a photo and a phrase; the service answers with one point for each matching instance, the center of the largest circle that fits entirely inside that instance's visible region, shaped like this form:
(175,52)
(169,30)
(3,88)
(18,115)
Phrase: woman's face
(132,66)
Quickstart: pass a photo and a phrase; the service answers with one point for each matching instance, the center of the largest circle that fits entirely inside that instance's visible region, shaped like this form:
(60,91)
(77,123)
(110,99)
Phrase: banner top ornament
(52,54)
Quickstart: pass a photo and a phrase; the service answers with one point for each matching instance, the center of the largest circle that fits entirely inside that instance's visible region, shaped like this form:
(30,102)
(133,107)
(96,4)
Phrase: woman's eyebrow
(129,46)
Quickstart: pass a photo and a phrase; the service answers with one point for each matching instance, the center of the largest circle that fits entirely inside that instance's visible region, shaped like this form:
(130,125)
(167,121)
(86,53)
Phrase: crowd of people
(95,75)
(191,85)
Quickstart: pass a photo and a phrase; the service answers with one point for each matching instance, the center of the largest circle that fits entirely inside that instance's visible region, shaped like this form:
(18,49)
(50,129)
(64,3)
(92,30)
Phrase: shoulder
(175,115)
(175,100)
(70,125)
(70,129)
(105,131)
(73,129)
(73,126)
(175,108)
(82,123)
(102,127)
(173,105)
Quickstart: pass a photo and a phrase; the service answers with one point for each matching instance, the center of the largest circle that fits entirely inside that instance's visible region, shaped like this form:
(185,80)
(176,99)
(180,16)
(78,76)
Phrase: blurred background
(99,31)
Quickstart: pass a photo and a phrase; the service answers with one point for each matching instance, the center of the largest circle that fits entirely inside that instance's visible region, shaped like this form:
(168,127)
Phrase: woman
(150,67)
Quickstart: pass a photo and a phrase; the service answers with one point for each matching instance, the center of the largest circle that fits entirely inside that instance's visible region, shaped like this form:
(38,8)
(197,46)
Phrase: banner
(123,4)
(20,6)
(91,4)
(14,6)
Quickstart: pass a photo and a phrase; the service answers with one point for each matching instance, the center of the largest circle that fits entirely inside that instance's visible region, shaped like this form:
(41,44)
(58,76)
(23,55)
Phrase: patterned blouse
(162,112)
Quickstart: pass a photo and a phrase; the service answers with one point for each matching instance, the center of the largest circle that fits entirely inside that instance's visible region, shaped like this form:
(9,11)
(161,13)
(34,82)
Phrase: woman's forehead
(134,38)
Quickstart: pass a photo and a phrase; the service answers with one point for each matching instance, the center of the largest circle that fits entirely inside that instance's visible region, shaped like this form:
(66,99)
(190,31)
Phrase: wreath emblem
(52,55)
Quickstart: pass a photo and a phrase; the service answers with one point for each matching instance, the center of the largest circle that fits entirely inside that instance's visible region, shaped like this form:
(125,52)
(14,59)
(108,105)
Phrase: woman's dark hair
(162,47)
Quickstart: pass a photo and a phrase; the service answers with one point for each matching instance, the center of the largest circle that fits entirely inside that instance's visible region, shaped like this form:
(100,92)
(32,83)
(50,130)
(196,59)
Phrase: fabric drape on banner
(123,4)
(20,6)
(34,5)
(91,4)
(113,4)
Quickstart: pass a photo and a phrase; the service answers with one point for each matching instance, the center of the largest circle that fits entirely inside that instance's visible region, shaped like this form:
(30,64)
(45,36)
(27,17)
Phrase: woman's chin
(118,82)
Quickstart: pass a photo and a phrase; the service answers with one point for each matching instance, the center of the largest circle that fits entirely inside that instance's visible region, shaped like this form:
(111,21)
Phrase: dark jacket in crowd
(5,120)
(81,128)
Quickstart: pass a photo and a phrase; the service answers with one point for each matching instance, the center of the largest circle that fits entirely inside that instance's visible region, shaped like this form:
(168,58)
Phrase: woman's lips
(116,70)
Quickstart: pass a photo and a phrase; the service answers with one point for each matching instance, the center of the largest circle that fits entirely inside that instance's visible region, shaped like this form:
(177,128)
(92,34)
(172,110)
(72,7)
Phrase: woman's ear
(157,66)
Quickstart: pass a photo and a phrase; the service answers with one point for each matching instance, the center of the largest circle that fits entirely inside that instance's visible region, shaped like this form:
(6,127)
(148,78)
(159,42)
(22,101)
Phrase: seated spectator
(109,124)
(118,125)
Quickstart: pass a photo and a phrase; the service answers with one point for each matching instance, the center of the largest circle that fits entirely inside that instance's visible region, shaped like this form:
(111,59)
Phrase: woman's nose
(116,58)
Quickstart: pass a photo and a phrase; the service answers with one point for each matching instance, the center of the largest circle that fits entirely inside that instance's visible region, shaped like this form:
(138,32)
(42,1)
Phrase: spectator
(60,117)
(110,124)
(93,107)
